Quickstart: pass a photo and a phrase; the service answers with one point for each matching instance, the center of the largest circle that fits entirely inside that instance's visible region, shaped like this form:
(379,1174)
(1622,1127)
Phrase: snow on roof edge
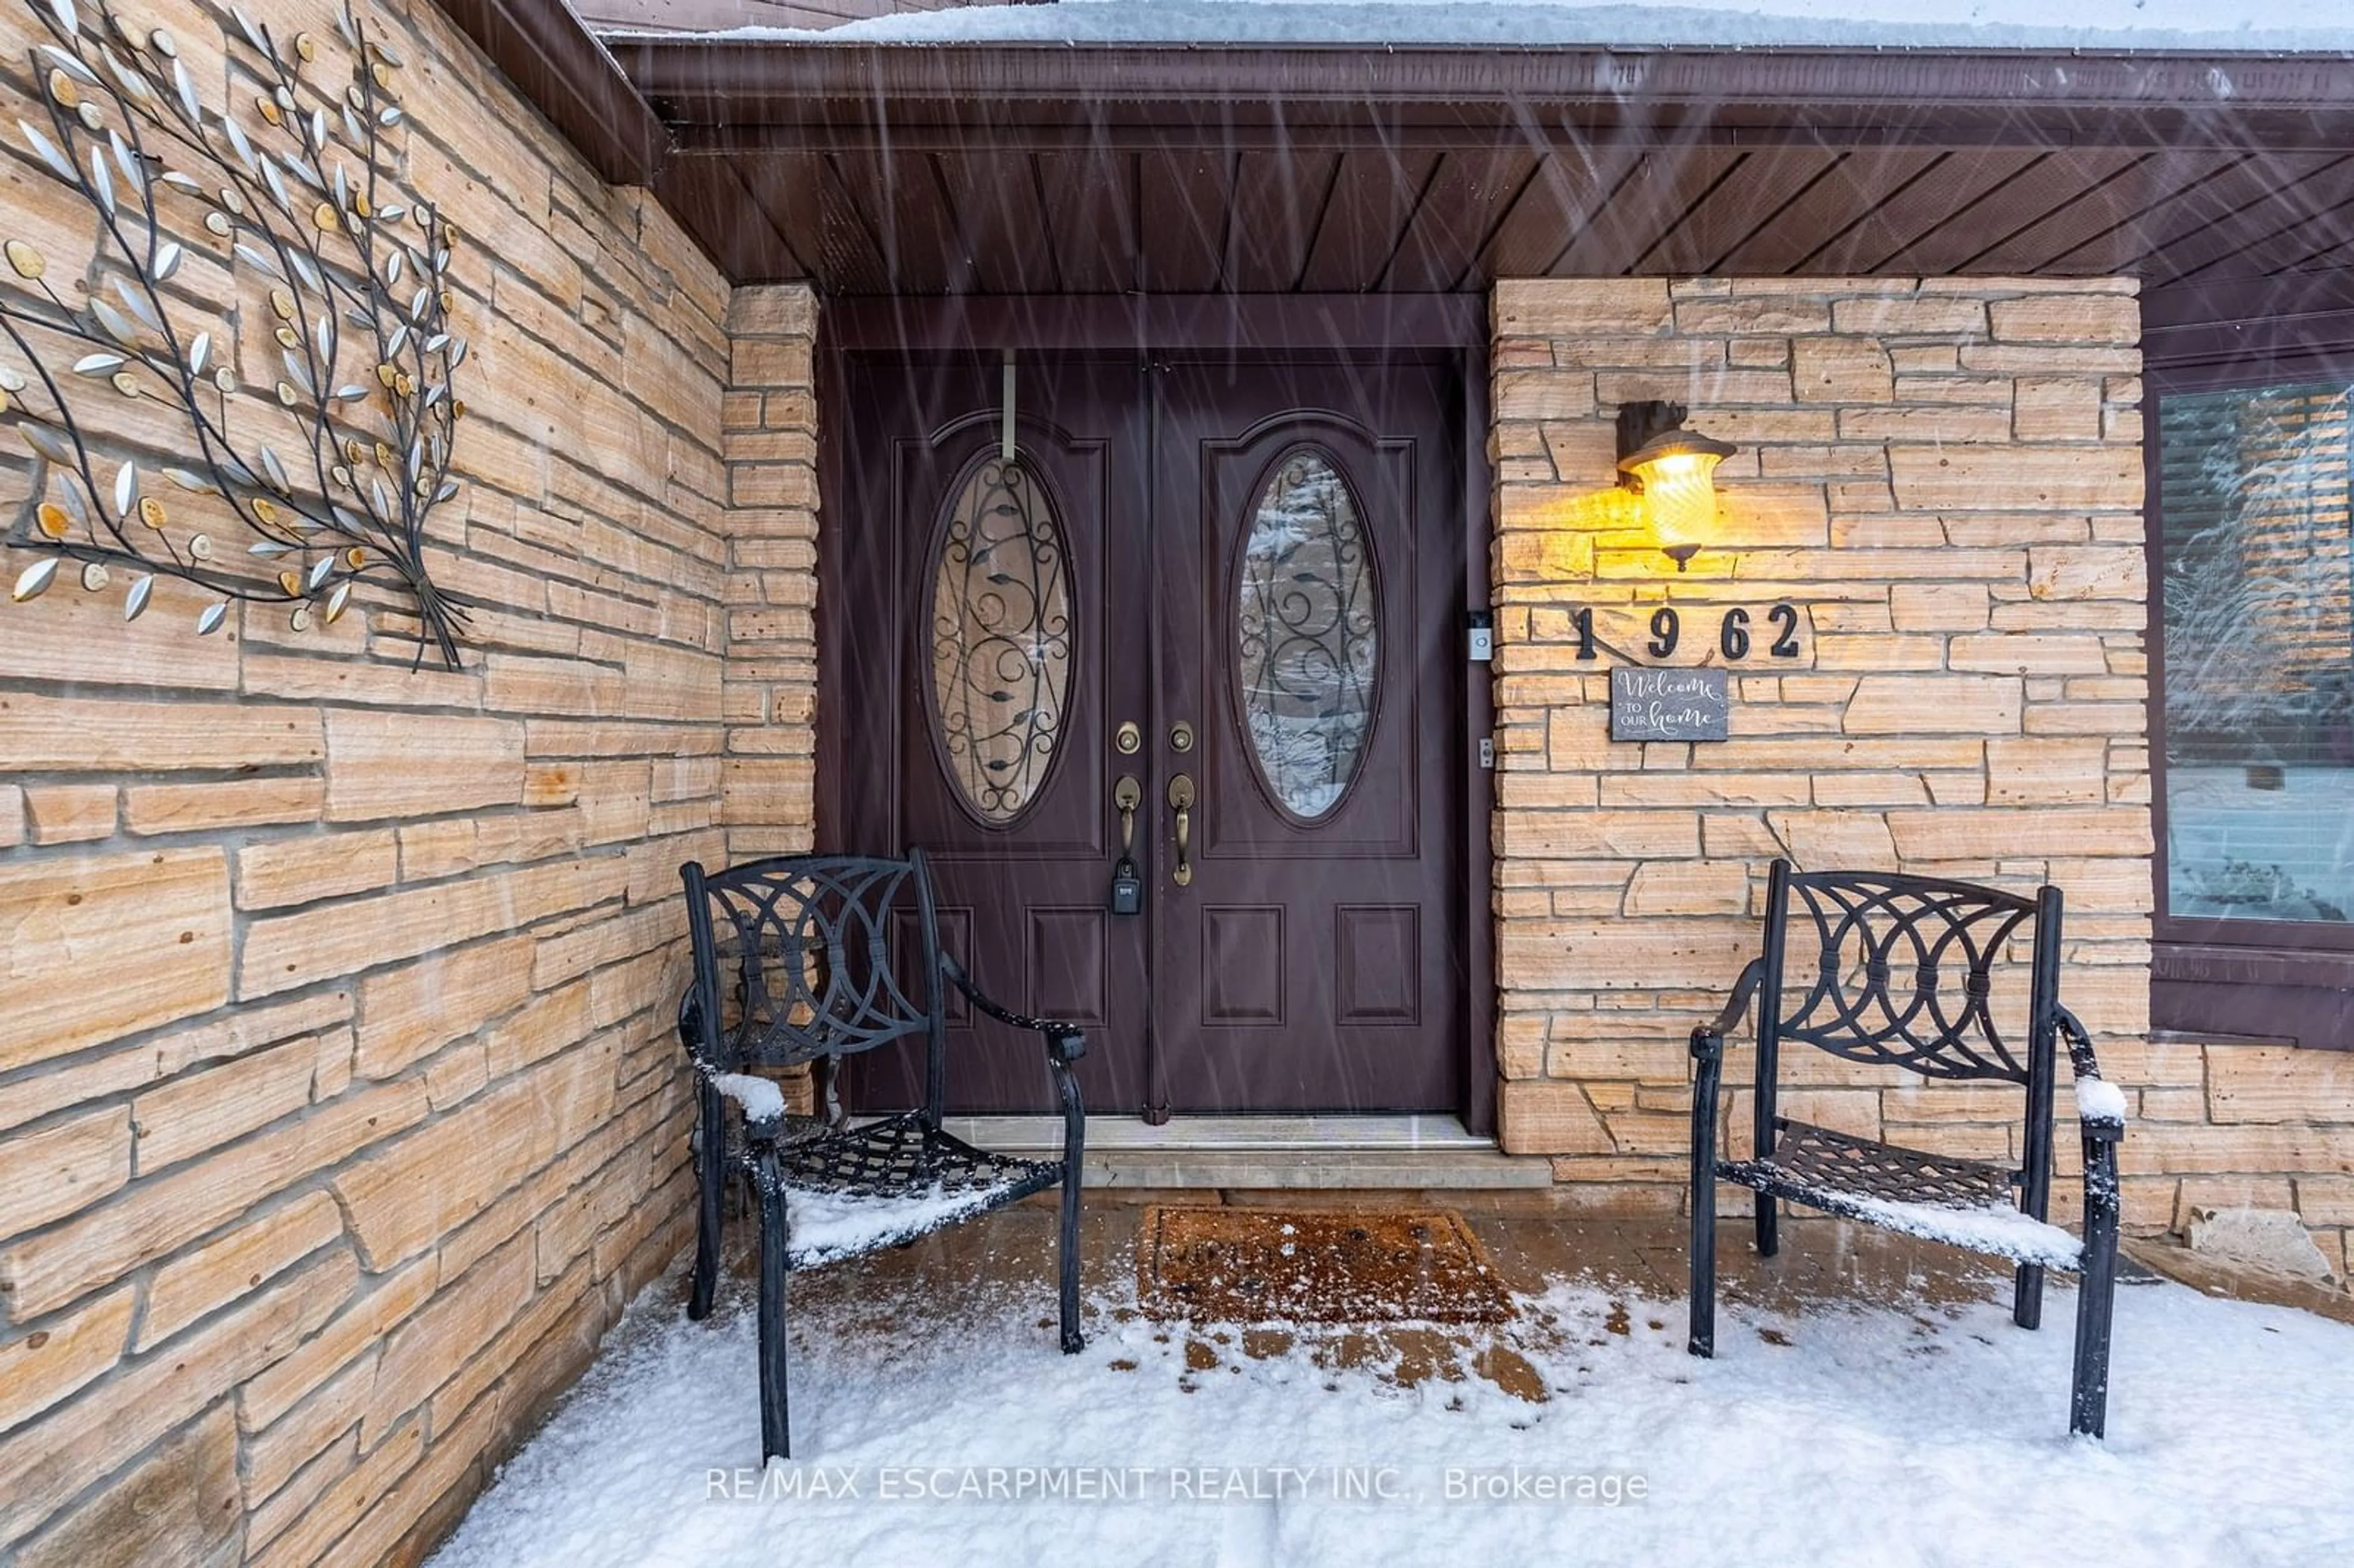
(1535,24)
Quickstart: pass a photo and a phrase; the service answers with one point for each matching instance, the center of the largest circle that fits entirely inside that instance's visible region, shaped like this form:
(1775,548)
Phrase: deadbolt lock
(1180,736)
(1129,738)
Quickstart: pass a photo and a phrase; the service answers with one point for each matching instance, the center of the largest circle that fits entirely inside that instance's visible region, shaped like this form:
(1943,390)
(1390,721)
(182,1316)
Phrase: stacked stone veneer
(340,1110)
(768,776)
(1944,476)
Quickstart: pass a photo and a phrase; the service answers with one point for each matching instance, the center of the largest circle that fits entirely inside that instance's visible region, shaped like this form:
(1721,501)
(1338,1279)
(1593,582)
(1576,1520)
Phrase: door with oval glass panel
(982,639)
(1228,591)
(1309,551)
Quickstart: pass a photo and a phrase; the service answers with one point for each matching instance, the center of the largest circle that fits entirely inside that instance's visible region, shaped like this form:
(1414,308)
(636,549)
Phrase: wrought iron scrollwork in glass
(1002,620)
(1305,634)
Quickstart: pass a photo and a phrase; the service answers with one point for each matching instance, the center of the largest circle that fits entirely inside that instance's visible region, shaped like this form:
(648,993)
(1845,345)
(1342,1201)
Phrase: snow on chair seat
(891,1182)
(1890,970)
(1962,1202)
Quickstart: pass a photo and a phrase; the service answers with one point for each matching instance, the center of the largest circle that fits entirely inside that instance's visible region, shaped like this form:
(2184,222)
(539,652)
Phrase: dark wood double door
(1227,593)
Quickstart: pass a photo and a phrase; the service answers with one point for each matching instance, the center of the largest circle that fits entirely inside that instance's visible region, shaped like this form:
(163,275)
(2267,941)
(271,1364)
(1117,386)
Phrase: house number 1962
(1732,634)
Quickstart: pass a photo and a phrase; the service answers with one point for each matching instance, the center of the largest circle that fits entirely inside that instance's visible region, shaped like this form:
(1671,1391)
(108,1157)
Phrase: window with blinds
(2257,574)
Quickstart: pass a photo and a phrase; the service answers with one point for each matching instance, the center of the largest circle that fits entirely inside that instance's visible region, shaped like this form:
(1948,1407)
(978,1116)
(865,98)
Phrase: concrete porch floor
(1533,1243)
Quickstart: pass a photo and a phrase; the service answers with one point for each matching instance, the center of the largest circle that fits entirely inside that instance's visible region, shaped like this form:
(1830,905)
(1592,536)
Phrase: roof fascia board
(717,91)
(554,60)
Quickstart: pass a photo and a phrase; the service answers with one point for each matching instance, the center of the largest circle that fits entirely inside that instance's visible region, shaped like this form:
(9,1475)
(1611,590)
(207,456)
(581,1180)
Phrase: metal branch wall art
(260,301)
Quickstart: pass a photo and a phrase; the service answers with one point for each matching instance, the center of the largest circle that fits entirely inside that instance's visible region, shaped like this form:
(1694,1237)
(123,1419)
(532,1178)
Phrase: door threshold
(1320,1134)
(1304,1152)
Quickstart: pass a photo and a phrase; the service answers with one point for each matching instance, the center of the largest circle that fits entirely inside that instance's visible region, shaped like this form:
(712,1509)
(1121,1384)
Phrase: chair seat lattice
(1816,1166)
(897,1165)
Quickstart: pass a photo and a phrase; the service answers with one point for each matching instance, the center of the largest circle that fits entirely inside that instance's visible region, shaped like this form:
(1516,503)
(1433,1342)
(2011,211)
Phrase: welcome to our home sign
(1669,705)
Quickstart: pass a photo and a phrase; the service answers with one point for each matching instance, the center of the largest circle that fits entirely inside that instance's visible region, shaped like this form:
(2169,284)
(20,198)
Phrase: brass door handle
(1127,886)
(1181,796)
(1127,794)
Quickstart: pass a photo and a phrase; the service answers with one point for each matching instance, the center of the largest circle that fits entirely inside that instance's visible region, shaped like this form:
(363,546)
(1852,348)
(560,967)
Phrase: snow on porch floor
(1871,1403)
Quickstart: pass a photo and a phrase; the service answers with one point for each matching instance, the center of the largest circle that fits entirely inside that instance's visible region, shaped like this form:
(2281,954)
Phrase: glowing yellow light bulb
(1680,494)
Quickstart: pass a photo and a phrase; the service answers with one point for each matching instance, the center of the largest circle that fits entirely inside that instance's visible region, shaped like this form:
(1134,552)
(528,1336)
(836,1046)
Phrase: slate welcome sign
(1669,704)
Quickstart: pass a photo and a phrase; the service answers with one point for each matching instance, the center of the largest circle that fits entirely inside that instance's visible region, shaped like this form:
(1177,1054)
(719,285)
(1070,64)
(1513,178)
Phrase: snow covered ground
(1887,1435)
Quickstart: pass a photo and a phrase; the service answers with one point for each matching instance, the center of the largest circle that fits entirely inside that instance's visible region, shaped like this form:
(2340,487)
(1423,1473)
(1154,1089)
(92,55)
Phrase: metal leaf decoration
(328,449)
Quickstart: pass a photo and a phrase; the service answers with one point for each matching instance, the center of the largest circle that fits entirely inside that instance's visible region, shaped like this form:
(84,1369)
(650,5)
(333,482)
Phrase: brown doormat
(1215,1263)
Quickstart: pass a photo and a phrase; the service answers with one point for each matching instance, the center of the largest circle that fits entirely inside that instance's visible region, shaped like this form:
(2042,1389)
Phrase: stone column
(769,445)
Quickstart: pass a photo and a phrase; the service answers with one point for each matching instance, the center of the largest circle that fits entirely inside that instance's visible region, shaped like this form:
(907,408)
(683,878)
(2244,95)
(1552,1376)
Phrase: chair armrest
(1708,1050)
(2100,1107)
(1708,1040)
(762,1103)
(1065,1043)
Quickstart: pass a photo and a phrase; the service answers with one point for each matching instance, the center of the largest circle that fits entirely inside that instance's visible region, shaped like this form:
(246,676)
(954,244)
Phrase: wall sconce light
(1674,469)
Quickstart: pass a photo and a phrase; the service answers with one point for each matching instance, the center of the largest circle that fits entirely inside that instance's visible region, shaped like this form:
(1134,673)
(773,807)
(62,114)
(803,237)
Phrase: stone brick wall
(339,1107)
(2228,1125)
(1944,476)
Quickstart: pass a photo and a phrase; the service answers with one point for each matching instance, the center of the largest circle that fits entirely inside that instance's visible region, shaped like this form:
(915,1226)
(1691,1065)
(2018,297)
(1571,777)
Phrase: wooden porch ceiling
(873,171)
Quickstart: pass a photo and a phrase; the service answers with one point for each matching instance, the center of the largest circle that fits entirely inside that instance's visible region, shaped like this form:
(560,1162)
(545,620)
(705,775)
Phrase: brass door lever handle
(1127,794)
(1181,797)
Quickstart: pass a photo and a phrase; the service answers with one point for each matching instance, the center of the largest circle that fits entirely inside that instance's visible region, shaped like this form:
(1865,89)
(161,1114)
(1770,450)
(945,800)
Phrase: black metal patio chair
(1904,974)
(794,963)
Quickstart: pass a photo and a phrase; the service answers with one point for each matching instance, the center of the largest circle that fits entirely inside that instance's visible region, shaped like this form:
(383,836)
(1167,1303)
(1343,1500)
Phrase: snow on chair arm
(762,1101)
(2100,1105)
